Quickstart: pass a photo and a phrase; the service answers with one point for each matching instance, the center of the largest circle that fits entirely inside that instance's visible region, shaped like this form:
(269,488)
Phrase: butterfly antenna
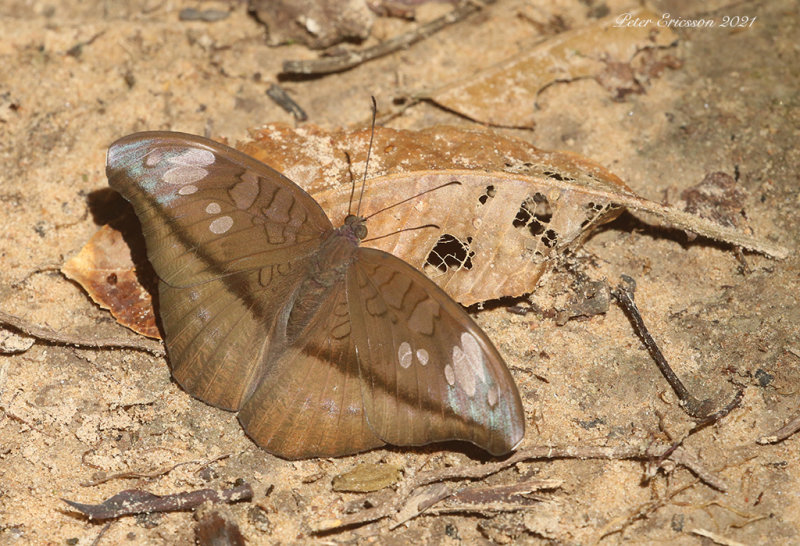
(451,183)
(401,231)
(369,153)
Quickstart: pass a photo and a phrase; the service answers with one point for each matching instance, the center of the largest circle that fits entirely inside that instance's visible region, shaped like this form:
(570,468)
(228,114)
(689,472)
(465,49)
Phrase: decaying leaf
(505,95)
(136,501)
(105,269)
(367,477)
(514,211)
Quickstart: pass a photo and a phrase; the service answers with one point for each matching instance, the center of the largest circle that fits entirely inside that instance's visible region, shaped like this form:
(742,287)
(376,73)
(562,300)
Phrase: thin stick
(355,58)
(782,433)
(282,99)
(694,407)
(130,474)
(51,336)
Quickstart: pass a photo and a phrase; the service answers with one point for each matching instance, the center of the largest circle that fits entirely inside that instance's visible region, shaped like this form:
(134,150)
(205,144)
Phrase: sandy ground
(67,414)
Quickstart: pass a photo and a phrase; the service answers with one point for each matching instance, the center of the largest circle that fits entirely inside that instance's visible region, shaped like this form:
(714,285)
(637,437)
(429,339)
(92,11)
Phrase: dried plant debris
(105,269)
(443,491)
(217,529)
(315,23)
(506,94)
(504,211)
(136,501)
(367,477)
(350,59)
(514,212)
(717,197)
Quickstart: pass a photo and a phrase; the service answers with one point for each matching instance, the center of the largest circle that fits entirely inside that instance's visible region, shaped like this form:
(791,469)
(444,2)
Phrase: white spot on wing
(182,175)
(449,375)
(221,225)
(153,158)
(474,354)
(404,354)
(422,356)
(491,396)
(464,372)
(188,189)
(194,157)
(213,208)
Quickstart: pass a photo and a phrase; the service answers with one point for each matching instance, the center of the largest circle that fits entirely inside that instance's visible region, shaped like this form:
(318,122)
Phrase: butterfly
(323,347)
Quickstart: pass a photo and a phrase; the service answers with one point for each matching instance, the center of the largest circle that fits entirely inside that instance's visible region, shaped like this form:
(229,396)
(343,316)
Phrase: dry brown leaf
(105,269)
(505,95)
(515,210)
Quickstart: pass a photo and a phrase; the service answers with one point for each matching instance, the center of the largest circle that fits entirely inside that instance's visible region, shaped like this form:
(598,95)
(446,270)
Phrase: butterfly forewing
(208,210)
(228,238)
(428,371)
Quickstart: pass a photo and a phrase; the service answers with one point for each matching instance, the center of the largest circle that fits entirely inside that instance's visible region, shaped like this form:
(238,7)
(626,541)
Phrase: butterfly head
(356,225)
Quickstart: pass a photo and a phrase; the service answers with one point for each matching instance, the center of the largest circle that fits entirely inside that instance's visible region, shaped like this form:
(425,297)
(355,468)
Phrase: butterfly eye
(360,231)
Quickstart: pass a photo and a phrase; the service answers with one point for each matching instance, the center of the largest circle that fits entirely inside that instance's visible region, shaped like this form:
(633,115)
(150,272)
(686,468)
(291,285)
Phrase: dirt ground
(76,75)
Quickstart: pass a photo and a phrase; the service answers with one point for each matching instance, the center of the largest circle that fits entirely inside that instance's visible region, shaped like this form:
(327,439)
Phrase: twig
(96,540)
(617,524)
(282,99)
(354,58)
(393,505)
(719,539)
(46,334)
(782,433)
(694,407)
(150,473)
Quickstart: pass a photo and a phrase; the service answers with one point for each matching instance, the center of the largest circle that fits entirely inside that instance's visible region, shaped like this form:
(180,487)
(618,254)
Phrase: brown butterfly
(324,348)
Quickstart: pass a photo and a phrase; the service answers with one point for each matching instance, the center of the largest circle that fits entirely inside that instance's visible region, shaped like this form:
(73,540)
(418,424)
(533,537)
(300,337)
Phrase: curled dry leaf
(505,94)
(105,269)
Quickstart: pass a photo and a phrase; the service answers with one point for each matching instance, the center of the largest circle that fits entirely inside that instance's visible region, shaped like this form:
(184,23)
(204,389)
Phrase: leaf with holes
(517,208)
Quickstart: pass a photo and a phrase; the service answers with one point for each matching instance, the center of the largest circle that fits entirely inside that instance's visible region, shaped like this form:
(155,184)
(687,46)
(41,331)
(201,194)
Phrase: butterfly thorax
(337,251)
(327,268)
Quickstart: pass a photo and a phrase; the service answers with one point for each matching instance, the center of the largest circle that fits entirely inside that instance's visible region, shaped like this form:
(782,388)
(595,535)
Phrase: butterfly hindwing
(428,372)
(309,403)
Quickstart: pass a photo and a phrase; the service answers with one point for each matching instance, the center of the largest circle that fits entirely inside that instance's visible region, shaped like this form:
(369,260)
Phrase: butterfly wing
(428,372)
(228,237)
(309,403)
